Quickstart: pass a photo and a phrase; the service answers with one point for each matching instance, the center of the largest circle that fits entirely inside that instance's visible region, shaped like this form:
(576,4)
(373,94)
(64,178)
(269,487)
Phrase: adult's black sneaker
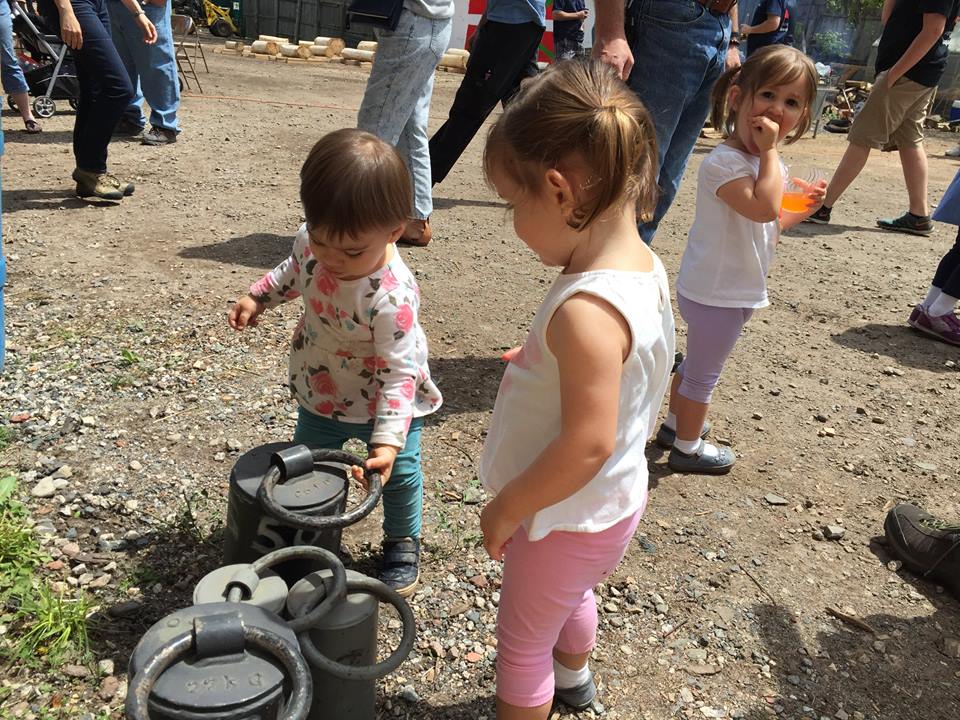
(928,547)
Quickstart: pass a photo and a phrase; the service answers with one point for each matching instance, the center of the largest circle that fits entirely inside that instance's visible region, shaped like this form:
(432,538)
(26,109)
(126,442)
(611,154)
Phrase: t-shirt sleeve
(717,171)
(939,7)
(394,325)
(283,282)
(563,5)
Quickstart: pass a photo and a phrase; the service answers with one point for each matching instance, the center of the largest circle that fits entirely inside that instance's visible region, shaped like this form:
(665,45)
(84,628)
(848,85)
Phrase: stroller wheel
(44,107)
(74,103)
(12,104)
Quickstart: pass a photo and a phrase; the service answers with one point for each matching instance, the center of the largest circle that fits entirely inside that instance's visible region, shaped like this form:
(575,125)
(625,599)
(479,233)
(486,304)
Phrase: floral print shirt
(358,353)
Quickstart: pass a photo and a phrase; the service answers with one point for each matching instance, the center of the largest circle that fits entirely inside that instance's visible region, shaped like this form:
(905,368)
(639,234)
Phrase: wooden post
(359,55)
(295,51)
(265,47)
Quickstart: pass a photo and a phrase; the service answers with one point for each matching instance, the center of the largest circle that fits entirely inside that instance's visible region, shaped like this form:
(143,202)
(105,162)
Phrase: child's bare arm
(589,339)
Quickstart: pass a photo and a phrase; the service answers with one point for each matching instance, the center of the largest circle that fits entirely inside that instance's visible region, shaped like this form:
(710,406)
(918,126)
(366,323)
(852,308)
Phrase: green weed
(20,553)
(6,437)
(129,357)
(52,627)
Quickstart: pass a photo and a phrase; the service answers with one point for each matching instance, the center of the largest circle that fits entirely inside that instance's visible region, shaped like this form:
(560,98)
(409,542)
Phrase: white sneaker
(953,152)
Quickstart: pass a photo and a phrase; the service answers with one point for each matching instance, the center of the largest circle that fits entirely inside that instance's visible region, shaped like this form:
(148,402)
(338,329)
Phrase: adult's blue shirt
(516,12)
(783,35)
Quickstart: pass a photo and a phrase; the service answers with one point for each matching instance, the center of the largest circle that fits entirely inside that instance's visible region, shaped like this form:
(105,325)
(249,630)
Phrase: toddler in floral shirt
(358,358)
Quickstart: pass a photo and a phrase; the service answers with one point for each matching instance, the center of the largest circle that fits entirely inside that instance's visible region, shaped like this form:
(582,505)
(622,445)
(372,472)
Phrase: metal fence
(301,20)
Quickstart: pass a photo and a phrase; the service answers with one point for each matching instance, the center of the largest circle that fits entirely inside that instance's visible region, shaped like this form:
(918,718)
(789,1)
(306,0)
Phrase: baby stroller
(48,69)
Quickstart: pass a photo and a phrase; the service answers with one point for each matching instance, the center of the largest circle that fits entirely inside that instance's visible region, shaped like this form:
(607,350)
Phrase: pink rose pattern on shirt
(358,353)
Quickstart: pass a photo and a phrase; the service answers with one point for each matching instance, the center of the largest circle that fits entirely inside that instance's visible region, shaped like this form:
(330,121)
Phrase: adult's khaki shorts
(892,117)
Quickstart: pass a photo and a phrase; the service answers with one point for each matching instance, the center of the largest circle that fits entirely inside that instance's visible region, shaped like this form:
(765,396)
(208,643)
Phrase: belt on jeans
(719,7)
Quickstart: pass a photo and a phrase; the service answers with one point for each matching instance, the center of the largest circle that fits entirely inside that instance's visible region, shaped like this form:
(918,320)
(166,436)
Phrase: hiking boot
(401,564)
(943,327)
(666,436)
(908,223)
(821,216)
(159,136)
(927,546)
(698,463)
(88,179)
(127,128)
(577,698)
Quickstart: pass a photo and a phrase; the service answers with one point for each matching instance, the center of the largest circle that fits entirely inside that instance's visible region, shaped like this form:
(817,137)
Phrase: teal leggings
(403,495)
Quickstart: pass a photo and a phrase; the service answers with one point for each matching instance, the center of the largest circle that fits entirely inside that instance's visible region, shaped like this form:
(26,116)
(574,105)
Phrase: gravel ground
(129,399)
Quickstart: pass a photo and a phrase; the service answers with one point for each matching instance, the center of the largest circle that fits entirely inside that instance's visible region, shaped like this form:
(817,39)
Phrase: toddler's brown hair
(353,182)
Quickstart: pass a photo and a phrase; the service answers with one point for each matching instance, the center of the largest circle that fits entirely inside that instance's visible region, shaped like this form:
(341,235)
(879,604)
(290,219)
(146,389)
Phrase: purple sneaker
(944,327)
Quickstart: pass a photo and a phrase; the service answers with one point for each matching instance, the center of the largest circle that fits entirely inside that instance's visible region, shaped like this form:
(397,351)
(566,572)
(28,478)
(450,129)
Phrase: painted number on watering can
(272,536)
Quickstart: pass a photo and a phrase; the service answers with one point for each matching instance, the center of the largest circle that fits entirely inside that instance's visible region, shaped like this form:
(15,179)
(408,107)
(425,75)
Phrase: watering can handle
(329,561)
(320,522)
(386,594)
(301,690)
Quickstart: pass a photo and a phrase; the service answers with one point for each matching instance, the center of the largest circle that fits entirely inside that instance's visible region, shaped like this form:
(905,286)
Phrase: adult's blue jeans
(679,51)
(13,80)
(105,89)
(396,102)
(152,68)
(403,494)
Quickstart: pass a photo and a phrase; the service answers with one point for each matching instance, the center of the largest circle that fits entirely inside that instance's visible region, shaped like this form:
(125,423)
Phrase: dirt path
(719,610)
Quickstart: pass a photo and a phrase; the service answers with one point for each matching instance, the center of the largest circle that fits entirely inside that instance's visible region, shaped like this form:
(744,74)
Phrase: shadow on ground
(166,571)
(47,137)
(900,343)
(257,250)
(899,670)
(29,199)
(469,384)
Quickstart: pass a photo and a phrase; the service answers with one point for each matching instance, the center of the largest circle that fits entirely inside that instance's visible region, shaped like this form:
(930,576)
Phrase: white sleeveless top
(526,417)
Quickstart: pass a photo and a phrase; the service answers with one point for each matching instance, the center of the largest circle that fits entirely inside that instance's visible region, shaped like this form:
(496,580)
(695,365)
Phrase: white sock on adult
(671,421)
(690,447)
(942,305)
(564,677)
(932,294)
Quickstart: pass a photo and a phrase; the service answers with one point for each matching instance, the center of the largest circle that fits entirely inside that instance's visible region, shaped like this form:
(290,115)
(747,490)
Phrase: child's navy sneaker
(401,564)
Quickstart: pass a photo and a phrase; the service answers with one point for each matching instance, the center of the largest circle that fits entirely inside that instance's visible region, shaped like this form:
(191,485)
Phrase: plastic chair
(181,26)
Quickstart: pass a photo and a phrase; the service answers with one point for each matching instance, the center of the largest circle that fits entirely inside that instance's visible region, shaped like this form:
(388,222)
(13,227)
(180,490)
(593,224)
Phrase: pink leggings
(547,602)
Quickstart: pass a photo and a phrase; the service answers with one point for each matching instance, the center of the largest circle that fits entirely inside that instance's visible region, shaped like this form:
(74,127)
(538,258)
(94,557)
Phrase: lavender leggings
(711,334)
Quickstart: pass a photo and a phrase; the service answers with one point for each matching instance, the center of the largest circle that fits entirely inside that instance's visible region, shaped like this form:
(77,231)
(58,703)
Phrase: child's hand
(381,459)
(497,529)
(764,132)
(510,354)
(245,312)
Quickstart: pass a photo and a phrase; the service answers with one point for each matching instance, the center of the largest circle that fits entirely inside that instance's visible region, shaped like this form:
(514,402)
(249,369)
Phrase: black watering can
(286,495)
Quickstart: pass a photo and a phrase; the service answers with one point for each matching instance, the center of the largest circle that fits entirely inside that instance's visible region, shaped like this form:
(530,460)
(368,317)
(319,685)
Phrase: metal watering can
(286,495)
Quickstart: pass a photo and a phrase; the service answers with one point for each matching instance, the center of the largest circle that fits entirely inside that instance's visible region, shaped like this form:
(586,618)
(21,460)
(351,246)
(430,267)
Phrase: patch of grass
(120,381)
(52,627)
(186,520)
(20,553)
(45,625)
(129,357)
(6,437)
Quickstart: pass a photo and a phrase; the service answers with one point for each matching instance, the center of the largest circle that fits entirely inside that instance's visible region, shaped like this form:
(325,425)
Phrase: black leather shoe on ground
(401,564)
(927,546)
(666,436)
(577,698)
(700,464)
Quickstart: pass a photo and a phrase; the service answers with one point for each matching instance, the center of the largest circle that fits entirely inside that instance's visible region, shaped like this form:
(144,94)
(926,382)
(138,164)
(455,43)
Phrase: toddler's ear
(560,191)
(396,233)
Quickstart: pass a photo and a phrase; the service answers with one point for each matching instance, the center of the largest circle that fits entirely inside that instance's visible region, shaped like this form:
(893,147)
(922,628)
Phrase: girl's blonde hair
(579,113)
(773,65)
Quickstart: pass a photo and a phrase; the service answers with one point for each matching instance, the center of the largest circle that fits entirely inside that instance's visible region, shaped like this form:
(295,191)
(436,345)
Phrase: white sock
(564,677)
(943,305)
(689,447)
(671,421)
(932,294)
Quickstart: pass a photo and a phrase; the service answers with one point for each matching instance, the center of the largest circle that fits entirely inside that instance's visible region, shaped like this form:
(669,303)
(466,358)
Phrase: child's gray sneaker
(578,698)
(699,463)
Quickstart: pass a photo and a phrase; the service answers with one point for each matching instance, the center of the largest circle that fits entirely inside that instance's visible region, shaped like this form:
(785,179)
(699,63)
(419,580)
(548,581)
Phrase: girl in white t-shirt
(723,274)
(574,156)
